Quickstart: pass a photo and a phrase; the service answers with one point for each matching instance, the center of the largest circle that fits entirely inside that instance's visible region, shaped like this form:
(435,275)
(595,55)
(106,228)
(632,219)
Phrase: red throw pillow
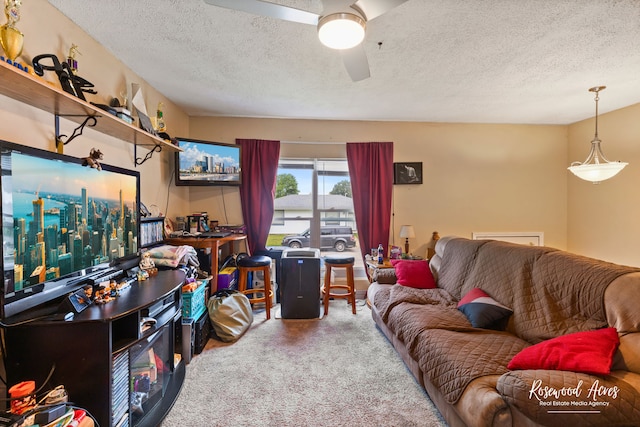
(590,352)
(414,273)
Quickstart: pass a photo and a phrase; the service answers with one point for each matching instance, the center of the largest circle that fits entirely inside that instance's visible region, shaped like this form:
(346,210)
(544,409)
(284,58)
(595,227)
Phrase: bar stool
(350,294)
(256,263)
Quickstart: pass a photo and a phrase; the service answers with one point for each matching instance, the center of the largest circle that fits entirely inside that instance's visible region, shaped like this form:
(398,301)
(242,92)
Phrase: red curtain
(259,162)
(371,172)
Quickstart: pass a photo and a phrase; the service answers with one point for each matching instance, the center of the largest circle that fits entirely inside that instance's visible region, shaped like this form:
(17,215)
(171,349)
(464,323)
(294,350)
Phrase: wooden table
(213,243)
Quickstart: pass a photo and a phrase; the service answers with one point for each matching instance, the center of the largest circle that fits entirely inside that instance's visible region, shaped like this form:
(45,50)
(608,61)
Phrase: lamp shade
(597,172)
(341,30)
(407,231)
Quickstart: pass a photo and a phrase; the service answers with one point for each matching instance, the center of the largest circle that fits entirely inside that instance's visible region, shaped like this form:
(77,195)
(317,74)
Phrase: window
(329,218)
(278,217)
(311,194)
(314,208)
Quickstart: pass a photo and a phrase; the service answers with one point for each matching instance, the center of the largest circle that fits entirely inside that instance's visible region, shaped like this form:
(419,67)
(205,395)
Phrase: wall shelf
(39,93)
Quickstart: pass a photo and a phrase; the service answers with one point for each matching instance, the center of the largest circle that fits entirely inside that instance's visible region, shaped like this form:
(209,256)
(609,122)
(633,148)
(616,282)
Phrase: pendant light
(596,167)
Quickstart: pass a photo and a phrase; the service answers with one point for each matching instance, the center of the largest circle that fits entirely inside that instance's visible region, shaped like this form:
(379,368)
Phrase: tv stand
(112,359)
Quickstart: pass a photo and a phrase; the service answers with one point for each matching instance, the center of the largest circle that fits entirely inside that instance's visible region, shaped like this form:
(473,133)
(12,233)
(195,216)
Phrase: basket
(193,303)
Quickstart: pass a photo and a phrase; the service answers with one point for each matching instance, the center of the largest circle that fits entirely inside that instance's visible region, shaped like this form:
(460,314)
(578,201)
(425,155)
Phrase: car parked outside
(338,238)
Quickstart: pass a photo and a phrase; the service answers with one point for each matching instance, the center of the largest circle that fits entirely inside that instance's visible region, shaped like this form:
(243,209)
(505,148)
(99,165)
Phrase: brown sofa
(552,293)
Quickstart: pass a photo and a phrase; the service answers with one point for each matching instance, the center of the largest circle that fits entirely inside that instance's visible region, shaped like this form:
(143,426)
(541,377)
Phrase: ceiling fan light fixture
(341,30)
(596,167)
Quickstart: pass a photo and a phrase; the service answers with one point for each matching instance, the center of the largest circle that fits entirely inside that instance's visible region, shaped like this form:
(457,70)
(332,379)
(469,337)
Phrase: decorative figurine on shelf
(124,102)
(95,156)
(146,262)
(71,59)
(70,83)
(147,265)
(10,37)
(160,118)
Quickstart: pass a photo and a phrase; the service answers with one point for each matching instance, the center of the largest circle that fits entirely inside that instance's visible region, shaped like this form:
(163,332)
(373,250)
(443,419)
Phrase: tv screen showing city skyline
(60,217)
(207,163)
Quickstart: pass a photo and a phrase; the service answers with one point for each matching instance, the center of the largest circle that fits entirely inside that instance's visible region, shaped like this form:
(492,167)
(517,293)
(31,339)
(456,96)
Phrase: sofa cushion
(414,273)
(409,320)
(590,352)
(452,359)
(483,311)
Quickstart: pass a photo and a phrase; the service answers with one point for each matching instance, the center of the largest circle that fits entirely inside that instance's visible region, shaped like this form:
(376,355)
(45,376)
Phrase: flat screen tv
(61,223)
(207,163)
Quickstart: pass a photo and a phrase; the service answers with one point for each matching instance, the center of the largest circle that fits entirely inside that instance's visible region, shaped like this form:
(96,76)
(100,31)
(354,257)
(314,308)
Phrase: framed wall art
(407,173)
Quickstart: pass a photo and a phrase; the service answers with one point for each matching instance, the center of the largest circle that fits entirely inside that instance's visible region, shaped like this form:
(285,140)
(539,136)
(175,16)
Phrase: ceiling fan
(341,25)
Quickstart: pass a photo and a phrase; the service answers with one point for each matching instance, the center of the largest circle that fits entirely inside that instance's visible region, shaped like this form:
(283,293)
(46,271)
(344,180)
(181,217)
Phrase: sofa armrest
(561,398)
(481,406)
(627,357)
(621,303)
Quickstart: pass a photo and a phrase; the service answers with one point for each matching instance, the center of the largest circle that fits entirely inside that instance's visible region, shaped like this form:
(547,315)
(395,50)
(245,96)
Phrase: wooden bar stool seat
(252,264)
(348,290)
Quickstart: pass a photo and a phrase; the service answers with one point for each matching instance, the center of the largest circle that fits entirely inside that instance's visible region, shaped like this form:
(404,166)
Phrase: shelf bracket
(139,161)
(76,132)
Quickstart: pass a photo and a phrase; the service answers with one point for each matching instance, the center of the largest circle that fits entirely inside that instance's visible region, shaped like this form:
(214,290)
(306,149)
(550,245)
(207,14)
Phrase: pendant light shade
(596,167)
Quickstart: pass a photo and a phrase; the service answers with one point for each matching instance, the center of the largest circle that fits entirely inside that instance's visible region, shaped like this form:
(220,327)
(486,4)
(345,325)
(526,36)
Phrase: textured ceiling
(494,61)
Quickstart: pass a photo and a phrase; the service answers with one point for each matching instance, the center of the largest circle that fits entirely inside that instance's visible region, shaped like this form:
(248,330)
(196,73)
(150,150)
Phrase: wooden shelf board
(39,93)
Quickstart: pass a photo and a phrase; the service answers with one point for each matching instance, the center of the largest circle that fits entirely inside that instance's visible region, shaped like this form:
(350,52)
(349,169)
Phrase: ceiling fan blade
(356,63)
(265,8)
(374,8)
(335,6)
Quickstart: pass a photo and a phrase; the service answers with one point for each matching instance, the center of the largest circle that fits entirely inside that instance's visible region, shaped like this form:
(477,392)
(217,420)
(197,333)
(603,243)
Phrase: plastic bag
(230,314)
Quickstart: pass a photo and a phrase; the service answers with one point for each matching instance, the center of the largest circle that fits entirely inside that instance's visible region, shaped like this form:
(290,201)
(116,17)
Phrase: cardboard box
(228,278)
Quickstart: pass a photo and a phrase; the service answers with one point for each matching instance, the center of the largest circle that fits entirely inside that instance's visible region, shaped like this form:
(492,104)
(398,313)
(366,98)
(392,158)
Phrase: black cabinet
(118,360)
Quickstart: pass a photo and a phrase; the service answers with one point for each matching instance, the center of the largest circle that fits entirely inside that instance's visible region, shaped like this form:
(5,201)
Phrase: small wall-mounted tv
(61,224)
(207,163)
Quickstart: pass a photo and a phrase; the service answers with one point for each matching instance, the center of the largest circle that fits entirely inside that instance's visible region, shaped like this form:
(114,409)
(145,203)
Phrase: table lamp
(407,232)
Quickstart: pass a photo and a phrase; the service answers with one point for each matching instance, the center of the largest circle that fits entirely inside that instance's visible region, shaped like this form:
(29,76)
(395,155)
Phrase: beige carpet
(335,371)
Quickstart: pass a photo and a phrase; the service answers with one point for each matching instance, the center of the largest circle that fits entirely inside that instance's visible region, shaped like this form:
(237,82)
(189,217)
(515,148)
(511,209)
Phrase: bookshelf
(151,231)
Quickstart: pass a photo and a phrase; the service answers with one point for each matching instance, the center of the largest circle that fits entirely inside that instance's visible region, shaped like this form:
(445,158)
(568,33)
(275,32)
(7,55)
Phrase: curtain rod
(312,143)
